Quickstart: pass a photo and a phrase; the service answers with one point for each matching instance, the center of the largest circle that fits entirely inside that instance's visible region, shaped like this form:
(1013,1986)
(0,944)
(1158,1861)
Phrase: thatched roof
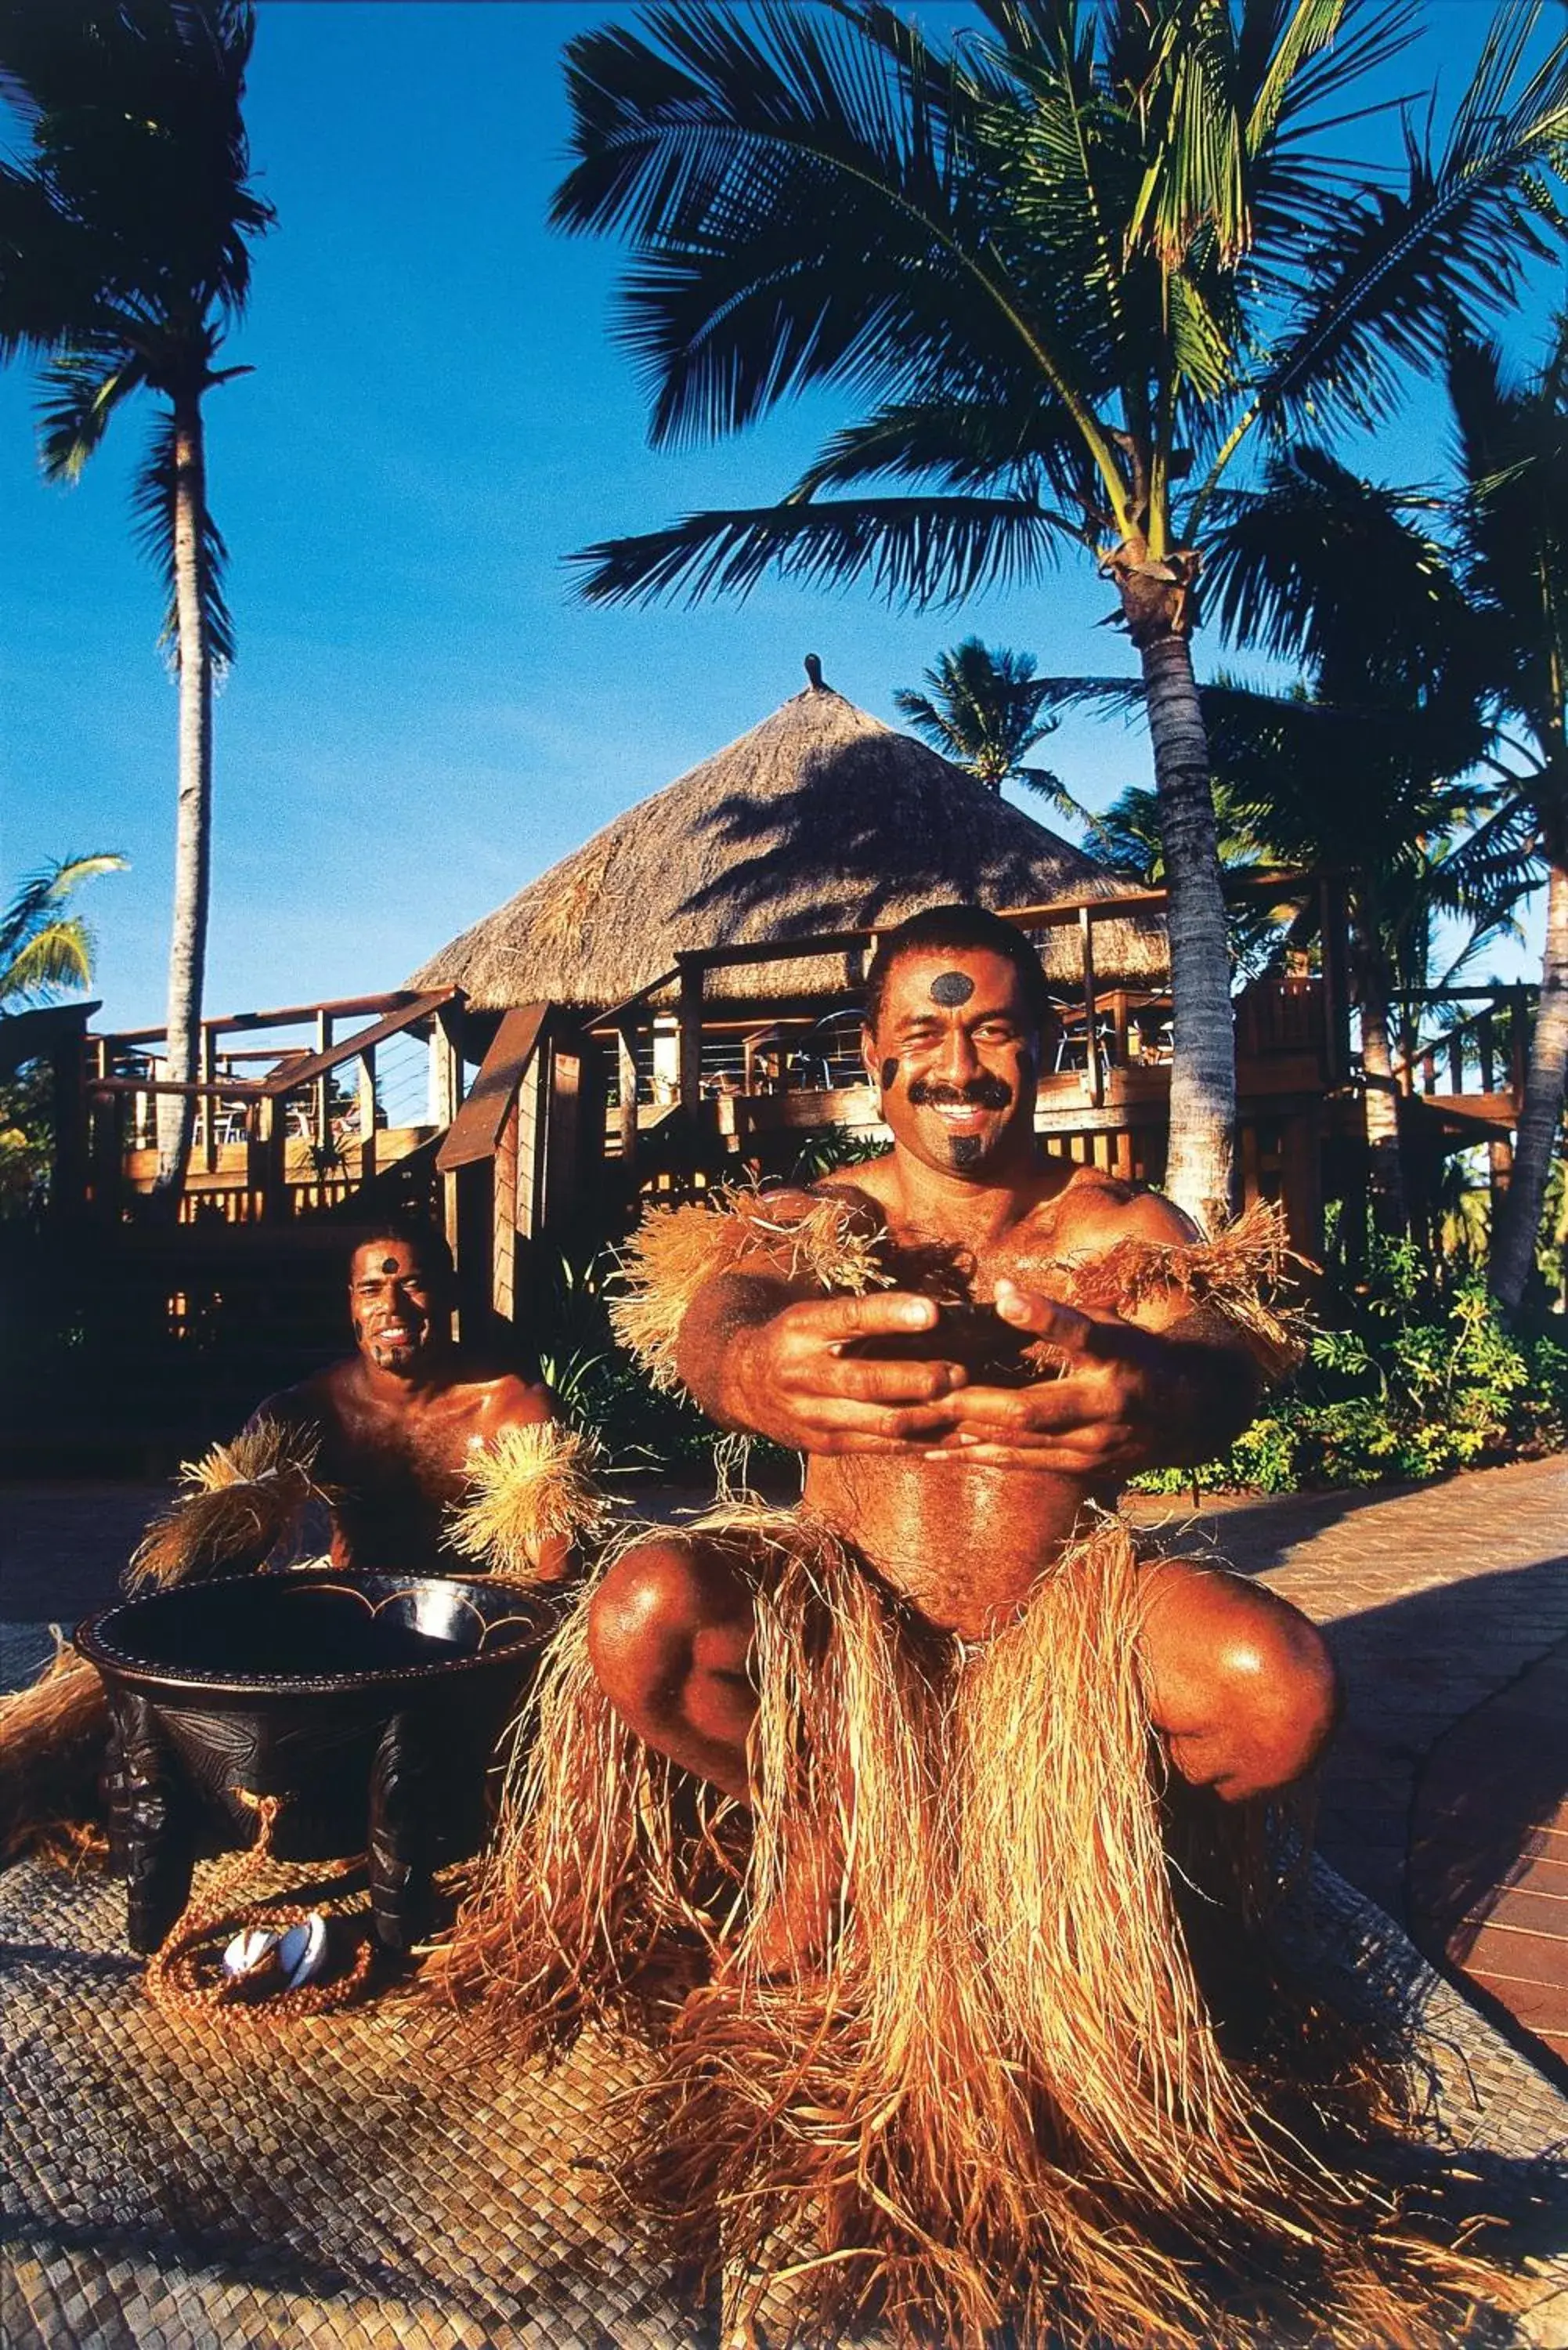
(819,819)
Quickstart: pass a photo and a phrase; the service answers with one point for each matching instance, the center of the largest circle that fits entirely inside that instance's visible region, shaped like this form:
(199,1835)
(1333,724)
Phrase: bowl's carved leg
(403,1794)
(152,1826)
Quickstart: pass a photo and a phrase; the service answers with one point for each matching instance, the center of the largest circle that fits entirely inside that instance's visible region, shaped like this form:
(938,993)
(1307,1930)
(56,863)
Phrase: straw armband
(821,1238)
(241,1503)
(1236,1275)
(533,1486)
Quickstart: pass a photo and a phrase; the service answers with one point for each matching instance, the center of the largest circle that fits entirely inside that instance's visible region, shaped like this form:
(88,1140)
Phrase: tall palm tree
(1410,667)
(1512,523)
(123,261)
(984,711)
(1073,265)
(45,946)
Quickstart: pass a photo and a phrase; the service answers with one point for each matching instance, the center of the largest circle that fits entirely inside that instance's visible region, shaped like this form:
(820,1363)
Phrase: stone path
(1446,1794)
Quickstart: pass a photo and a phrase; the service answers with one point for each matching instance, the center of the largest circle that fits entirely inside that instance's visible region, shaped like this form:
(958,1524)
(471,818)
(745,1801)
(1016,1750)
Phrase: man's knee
(656,1606)
(1279,1693)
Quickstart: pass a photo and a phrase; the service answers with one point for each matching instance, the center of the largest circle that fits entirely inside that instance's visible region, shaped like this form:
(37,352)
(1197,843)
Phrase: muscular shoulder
(311,1406)
(1096,1211)
(511,1401)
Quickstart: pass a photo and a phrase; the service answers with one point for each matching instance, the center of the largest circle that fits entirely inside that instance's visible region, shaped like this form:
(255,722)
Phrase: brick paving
(1445,1793)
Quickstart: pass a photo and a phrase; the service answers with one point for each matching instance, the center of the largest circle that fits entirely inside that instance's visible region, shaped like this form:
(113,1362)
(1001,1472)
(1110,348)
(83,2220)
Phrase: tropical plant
(1073,265)
(45,946)
(123,261)
(1513,529)
(984,710)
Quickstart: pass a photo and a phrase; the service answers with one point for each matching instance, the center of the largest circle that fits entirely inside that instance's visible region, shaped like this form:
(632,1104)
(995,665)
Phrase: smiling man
(960,1468)
(908,1819)
(399,1425)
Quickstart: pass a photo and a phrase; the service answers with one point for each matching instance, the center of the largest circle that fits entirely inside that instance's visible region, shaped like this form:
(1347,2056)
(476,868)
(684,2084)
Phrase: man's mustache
(984,1092)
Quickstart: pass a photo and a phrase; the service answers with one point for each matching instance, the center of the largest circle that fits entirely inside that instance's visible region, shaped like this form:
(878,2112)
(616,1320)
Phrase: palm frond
(930,550)
(82,390)
(1384,290)
(152,499)
(36,904)
(57,954)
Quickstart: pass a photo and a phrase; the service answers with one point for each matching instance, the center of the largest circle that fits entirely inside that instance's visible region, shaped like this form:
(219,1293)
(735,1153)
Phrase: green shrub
(1414,1376)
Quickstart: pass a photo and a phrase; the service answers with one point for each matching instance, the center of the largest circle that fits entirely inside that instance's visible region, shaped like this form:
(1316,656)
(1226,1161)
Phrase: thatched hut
(820,819)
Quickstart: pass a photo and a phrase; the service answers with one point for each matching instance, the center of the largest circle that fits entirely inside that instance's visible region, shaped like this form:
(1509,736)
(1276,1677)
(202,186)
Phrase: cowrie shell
(302,1951)
(248,1950)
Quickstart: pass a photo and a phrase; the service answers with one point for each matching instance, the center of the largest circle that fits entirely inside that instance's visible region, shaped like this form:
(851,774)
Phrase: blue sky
(419,719)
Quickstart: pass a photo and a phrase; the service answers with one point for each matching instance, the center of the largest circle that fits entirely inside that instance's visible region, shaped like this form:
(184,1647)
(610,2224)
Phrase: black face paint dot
(966,1150)
(388,1264)
(890,1075)
(952,987)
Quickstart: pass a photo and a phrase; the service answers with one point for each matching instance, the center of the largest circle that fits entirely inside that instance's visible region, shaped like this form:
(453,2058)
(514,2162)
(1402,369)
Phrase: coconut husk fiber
(52,1738)
(241,1505)
(823,1239)
(529,1489)
(933,2036)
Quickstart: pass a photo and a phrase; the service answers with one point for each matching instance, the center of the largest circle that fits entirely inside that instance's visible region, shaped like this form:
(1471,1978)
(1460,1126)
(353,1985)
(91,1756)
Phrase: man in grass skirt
(919,1827)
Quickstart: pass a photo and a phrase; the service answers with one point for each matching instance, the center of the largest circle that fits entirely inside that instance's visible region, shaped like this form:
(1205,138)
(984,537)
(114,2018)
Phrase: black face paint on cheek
(966,1150)
(952,987)
(889,1073)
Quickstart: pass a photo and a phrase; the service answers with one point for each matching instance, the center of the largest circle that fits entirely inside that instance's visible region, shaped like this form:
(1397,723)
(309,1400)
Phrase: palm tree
(1512,523)
(43,946)
(1409,669)
(1072,265)
(983,713)
(123,261)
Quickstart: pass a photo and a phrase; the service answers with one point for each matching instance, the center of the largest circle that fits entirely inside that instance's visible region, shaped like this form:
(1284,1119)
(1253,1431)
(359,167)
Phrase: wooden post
(368,1116)
(691,1016)
(1301,1183)
(321,1104)
(1428,1073)
(1456,1062)
(1486,1041)
(1087,941)
(626,1076)
(1518,1053)
(446,1059)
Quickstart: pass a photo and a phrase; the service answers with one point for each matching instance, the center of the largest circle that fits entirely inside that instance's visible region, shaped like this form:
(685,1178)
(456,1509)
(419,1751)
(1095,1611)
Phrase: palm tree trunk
(1200,1167)
(193,836)
(1518,1220)
(1381,1099)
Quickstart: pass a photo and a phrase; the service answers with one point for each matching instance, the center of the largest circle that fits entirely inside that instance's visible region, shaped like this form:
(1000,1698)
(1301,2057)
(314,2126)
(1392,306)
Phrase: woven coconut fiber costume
(970,2019)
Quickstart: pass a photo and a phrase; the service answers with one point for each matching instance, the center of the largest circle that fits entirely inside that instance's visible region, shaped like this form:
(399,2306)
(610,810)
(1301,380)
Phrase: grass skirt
(943,2029)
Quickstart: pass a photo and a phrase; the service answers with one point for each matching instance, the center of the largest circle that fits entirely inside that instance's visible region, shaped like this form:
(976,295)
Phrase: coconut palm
(1513,520)
(984,711)
(45,946)
(1413,656)
(1072,265)
(123,261)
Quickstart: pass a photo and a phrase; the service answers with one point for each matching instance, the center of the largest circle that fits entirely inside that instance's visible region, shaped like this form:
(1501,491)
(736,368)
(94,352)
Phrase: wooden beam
(1091,1038)
(364,1040)
(691,1017)
(368,1115)
(476,1130)
(291,1015)
(625,1081)
(321,1106)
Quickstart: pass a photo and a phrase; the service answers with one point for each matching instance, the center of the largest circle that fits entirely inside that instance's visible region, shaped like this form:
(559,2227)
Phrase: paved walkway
(1446,1794)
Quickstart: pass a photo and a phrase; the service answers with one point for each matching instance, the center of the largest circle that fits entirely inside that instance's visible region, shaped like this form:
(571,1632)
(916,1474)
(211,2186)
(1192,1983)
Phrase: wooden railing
(287,1141)
(1469,1047)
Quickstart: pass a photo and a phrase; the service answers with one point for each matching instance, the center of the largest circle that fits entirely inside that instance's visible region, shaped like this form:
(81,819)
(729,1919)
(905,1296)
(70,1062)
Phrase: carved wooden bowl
(369,1704)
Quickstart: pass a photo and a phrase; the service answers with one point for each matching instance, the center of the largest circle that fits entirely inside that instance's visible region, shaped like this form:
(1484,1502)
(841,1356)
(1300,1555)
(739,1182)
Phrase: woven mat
(371,2186)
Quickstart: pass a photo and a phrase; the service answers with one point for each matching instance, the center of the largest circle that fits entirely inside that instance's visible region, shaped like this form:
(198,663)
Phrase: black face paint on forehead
(952,987)
(890,1075)
(388,1264)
